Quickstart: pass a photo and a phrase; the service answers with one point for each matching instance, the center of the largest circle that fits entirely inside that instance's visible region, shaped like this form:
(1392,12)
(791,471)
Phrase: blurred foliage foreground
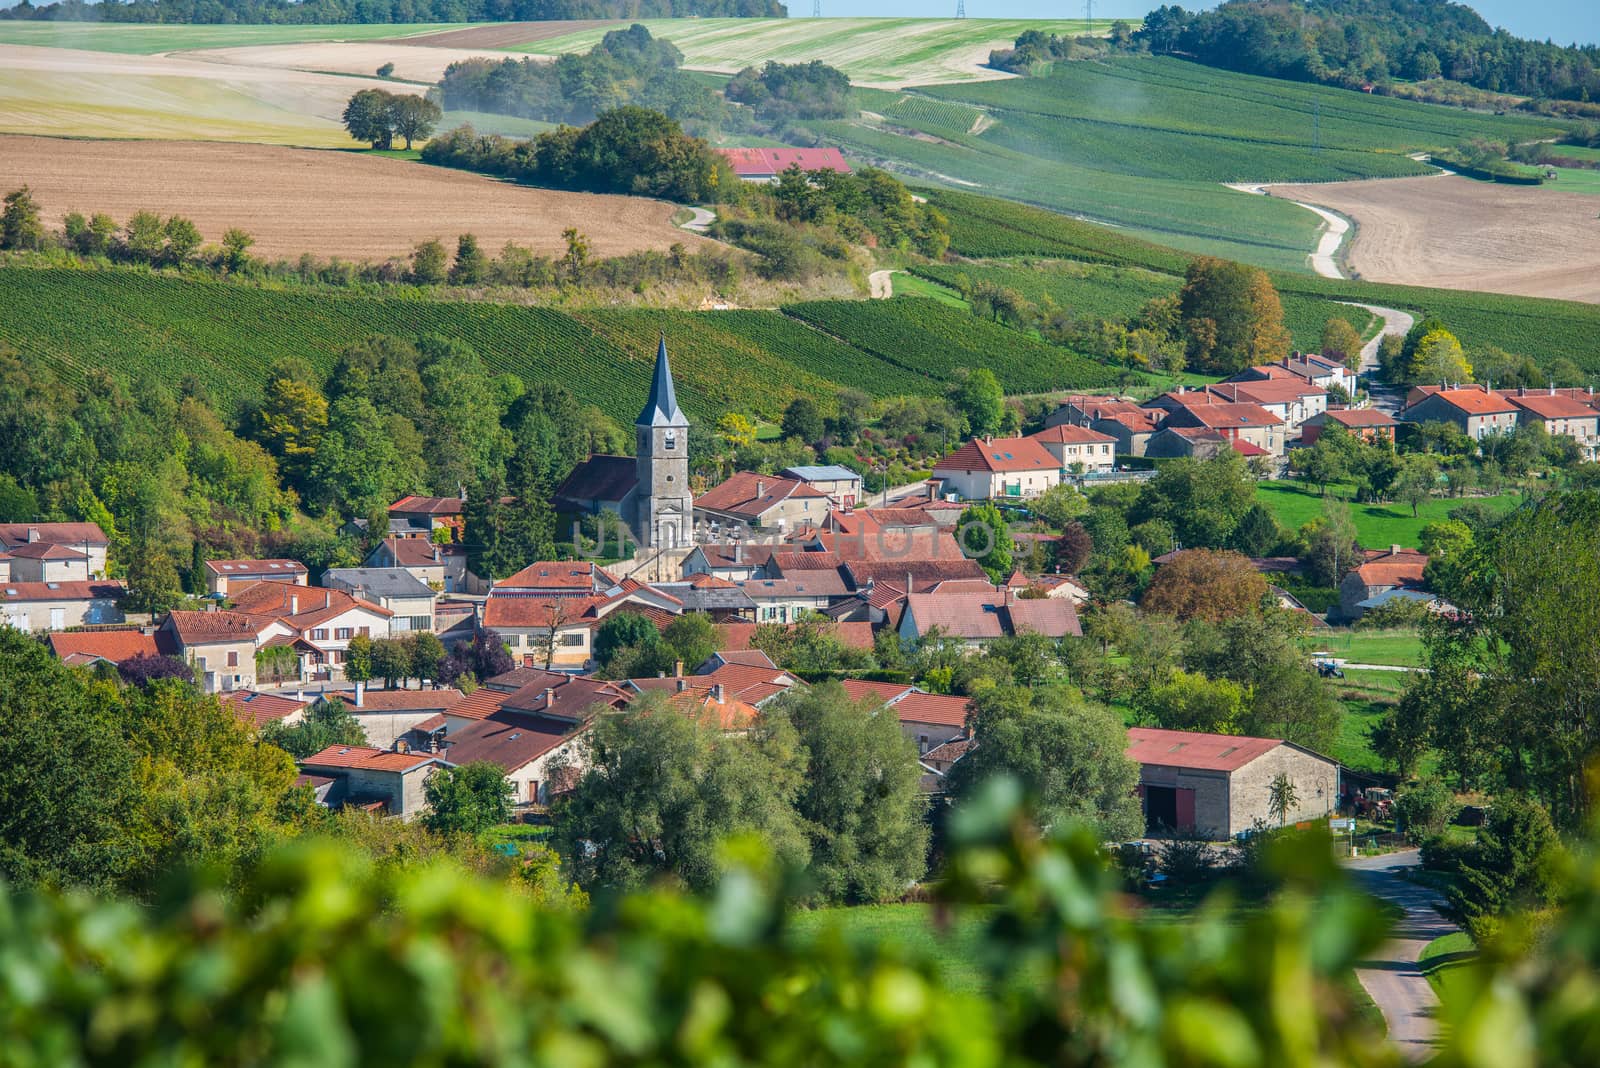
(320,960)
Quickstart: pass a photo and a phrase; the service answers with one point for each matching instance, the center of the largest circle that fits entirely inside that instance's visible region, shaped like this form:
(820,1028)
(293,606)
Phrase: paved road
(703,218)
(881,284)
(1393,978)
(1385,398)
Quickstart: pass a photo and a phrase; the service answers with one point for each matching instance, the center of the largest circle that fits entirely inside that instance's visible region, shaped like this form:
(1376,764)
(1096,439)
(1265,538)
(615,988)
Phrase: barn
(1219,784)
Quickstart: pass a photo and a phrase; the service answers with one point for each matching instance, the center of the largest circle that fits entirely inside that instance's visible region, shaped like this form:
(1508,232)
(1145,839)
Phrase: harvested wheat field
(1458,233)
(411,63)
(505,34)
(329,203)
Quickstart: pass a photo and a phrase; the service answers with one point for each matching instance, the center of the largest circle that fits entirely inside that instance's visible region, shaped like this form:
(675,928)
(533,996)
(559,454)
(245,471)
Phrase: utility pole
(816,9)
(961,9)
(1088,14)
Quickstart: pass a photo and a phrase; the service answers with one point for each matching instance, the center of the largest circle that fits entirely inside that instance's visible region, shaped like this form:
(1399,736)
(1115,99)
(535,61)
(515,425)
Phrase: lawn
(1447,961)
(150,38)
(1378,526)
(1574,180)
(1401,647)
(1366,696)
(909,927)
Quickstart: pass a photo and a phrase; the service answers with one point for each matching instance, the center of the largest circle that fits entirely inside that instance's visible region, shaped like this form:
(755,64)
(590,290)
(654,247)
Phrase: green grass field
(1402,648)
(504,125)
(1447,961)
(909,928)
(1378,526)
(871,51)
(150,38)
(136,323)
(1063,141)
(1575,180)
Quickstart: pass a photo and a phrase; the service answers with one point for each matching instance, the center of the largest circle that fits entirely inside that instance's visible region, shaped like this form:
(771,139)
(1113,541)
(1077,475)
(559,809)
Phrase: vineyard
(1145,143)
(986,227)
(916,332)
(225,335)
(1119,292)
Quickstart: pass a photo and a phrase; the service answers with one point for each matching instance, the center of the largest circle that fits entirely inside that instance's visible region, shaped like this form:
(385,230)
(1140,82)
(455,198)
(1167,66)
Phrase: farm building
(765,164)
(1219,784)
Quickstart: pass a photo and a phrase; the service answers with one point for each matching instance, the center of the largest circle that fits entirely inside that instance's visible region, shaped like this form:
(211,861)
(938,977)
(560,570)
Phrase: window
(366,632)
(343,634)
(320,634)
(572,640)
(670,440)
(233,661)
(419,622)
(58,618)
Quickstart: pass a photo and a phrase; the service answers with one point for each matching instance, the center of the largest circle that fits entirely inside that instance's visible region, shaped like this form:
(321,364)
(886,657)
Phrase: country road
(703,218)
(1393,979)
(881,284)
(1385,398)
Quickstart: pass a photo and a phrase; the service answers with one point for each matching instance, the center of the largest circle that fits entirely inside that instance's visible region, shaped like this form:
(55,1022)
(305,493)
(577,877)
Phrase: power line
(816,9)
(961,9)
(1088,12)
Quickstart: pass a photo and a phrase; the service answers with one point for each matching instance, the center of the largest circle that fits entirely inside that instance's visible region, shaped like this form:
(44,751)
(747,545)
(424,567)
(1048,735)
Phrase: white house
(990,469)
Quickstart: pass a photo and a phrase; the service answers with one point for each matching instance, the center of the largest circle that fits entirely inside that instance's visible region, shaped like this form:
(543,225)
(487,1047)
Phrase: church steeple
(662,407)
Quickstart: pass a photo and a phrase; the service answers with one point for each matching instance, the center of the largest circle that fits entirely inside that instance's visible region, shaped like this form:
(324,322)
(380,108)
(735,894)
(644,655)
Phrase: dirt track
(1457,233)
(504,35)
(329,203)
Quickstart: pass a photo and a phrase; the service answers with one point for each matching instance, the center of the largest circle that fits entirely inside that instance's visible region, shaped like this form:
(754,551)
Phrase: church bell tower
(664,510)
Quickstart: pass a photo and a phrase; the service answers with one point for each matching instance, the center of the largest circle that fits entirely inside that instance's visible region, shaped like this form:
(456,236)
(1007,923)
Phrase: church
(649,490)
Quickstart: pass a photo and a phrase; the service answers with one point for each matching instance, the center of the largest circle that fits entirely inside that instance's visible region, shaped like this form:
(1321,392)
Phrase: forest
(334,12)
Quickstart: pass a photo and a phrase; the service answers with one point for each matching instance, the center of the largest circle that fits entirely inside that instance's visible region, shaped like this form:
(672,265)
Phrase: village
(753,564)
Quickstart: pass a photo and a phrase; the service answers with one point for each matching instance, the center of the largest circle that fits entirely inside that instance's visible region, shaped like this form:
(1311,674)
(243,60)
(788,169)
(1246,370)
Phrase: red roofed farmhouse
(1381,572)
(990,469)
(765,164)
(1218,784)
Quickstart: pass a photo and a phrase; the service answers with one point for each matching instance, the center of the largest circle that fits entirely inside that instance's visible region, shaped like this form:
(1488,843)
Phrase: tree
(860,797)
(472,265)
(386,70)
(1331,539)
(1185,702)
(183,237)
(1439,359)
(428,263)
(622,630)
(144,669)
(1282,798)
(1341,342)
(985,537)
(20,228)
(236,245)
(1069,755)
(1425,808)
(1059,505)
(1415,485)
(1206,584)
(577,255)
(1257,532)
(662,791)
(1072,548)
(144,237)
(326,722)
(736,431)
(691,639)
(483,658)
(153,584)
(1202,500)
(1507,870)
(469,798)
(369,117)
(977,396)
(358,659)
(427,655)
(1231,315)
(390,661)
(802,420)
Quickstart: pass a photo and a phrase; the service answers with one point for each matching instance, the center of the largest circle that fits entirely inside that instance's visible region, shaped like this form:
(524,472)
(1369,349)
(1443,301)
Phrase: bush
(1425,809)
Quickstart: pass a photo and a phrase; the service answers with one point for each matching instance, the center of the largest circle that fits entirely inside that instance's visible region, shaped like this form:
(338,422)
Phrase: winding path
(1393,978)
(703,218)
(881,284)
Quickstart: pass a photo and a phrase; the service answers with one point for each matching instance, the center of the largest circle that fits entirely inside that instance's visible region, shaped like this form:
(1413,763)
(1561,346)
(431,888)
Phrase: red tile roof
(414,505)
(42,592)
(978,616)
(414,552)
(54,533)
(1244,448)
(747,495)
(204,628)
(300,607)
(255,568)
(1067,434)
(566,576)
(1393,567)
(509,740)
(1361,417)
(1220,415)
(1188,749)
(367,758)
(999,456)
(911,704)
(1271,391)
(570,700)
(1475,401)
(401,700)
(113,645)
(479,704)
(46,550)
(259,709)
(760,162)
(1552,406)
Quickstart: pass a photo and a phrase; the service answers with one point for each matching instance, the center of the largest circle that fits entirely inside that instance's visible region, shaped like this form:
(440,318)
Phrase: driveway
(1393,979)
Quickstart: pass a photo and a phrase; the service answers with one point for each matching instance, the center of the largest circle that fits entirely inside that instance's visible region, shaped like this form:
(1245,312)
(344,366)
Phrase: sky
(1563,21)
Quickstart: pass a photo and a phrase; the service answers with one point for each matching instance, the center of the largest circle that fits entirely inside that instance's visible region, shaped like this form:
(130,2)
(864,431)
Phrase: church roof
(662,407)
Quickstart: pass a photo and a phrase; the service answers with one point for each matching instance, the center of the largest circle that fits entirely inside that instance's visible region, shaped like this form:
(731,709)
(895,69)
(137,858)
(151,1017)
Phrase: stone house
(929,719)
(225,575)
(748,500)
(1368,424)
(40,606)
(374,779)
(1380,572)
(842,485)
(221,646)
(1078,449)
(47,562)
(1477,411)
(1219,784)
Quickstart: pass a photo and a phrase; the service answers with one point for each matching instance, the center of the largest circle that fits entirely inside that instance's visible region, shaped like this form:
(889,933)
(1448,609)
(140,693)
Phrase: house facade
(45,606)
(87,538)
(220,646)
(410,600)
(1078,450)
(1478,412)
(997,469)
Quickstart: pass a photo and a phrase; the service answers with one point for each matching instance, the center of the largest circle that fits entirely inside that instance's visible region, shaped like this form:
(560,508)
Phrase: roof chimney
(436,554)
(1394,550)
(680,683)
(549,697)
(738,552)
(908,581)
(677,669)
(361,694)
(294,604)
(327,599)
(761,488)
(33,535)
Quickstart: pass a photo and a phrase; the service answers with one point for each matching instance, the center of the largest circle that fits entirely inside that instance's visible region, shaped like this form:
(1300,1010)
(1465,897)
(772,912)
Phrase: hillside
(225,335)
(1146,144)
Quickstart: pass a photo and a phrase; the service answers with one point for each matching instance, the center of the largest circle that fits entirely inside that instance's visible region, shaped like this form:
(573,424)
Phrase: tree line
(1354,43)
(336,12)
